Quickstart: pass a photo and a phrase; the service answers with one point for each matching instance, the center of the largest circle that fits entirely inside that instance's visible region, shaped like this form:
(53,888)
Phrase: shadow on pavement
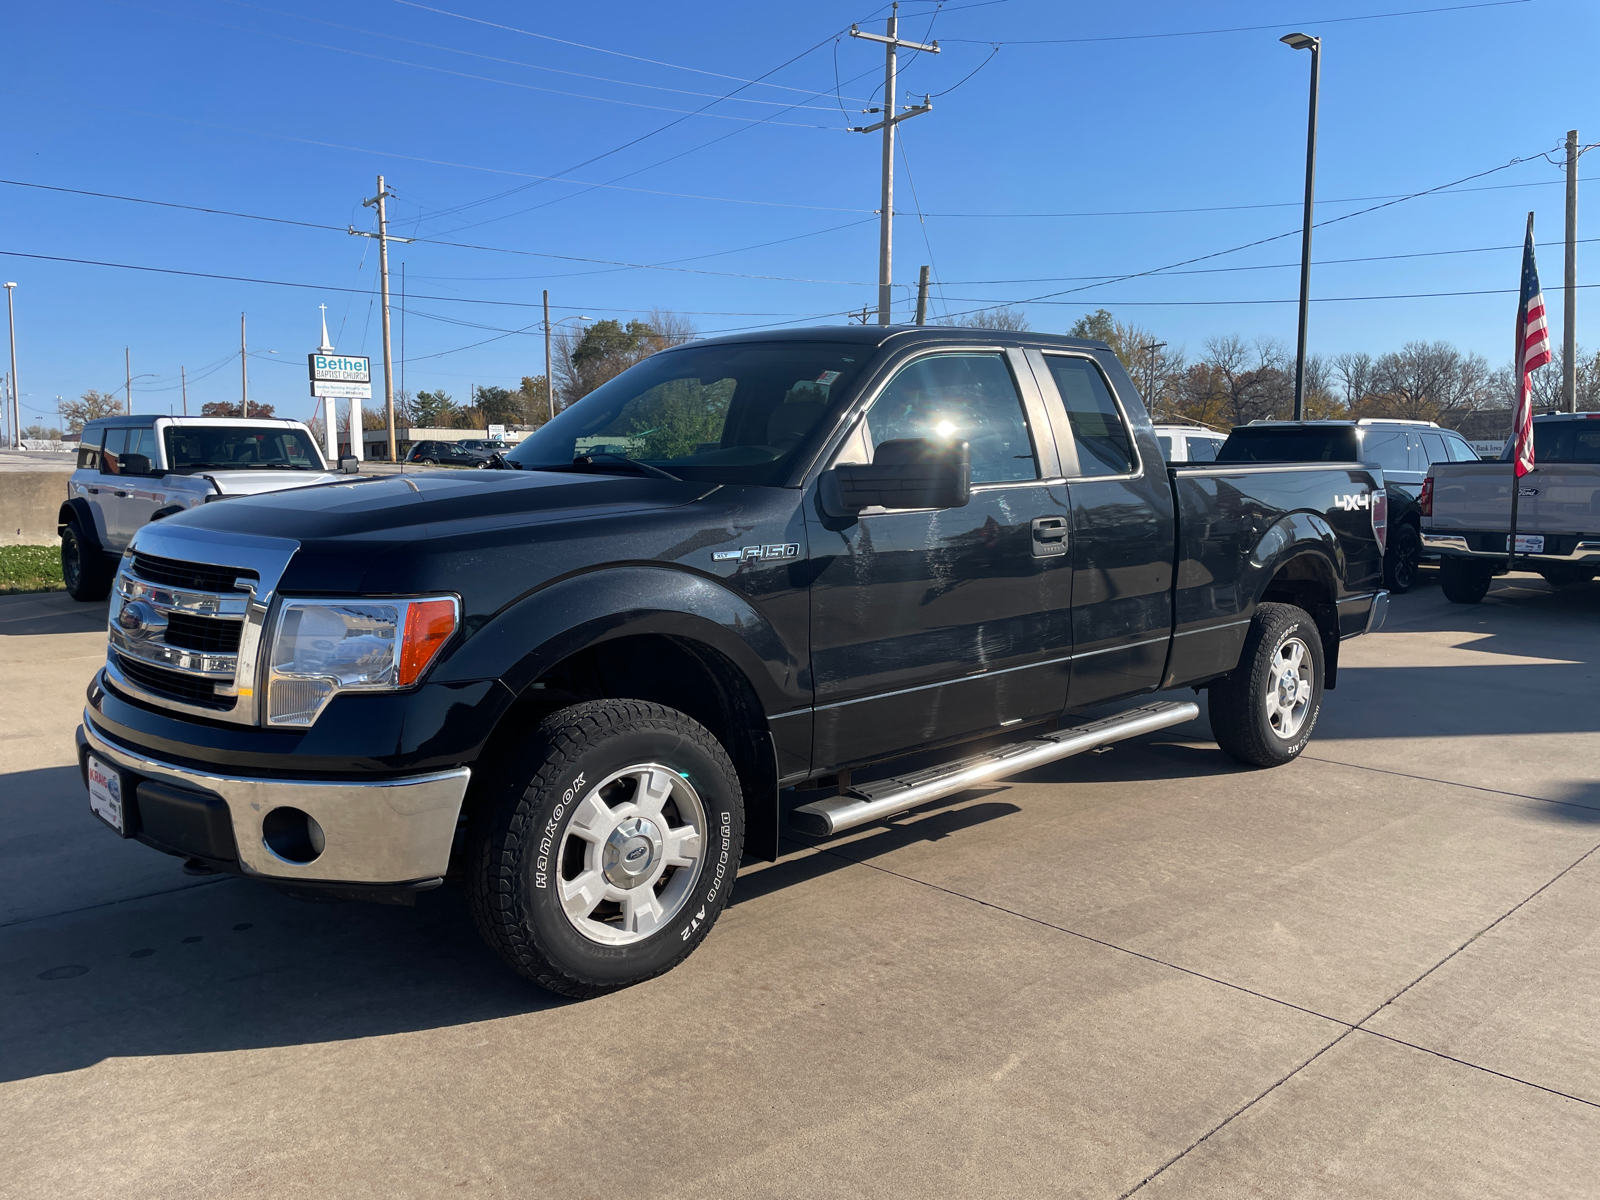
(33,613)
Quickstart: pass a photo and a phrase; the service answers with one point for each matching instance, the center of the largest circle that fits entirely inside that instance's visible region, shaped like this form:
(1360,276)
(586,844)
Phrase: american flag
(1533,352)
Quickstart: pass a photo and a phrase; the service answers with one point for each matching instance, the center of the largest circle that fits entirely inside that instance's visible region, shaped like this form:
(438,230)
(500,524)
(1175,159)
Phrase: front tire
(1463,581)
(83,566)
(607,847)
(1401,562)
(1264,711)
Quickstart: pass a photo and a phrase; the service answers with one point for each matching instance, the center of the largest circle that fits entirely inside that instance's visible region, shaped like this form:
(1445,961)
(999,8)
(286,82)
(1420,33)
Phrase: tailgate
(1554,499)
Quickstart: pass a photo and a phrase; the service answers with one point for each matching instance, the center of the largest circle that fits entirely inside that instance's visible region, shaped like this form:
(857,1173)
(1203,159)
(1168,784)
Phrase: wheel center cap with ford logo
(632,852)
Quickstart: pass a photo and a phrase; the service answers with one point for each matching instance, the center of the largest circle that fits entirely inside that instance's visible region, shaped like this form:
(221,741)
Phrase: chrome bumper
(1446,543)
(387,831)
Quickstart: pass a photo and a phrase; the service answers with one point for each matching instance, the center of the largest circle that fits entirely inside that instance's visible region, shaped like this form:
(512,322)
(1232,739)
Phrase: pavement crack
(1334,762)
(186,887)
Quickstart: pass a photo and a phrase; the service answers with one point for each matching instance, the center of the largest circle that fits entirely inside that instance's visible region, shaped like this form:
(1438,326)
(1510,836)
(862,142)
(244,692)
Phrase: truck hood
(252,483)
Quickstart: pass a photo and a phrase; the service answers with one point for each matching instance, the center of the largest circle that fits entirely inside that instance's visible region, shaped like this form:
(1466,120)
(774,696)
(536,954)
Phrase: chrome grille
(187,613)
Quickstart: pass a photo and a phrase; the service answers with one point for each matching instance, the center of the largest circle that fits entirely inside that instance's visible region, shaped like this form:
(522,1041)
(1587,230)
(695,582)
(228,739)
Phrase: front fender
(528,637)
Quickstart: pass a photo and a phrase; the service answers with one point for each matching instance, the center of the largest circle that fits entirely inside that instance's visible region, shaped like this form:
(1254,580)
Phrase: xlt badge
(757,553)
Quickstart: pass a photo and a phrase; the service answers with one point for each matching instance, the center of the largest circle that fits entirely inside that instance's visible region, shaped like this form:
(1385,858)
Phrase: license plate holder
(1529,543)
(105,795)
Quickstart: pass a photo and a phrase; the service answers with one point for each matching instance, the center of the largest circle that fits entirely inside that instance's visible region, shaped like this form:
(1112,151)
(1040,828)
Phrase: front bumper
(1458,546)
(378,832)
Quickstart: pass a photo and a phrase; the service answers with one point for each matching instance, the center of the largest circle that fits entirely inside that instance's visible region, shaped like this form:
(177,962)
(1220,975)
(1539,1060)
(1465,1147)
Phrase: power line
(90,262)
(1289,300)
(656,62)
(1263,241)
(532,87)
(494,58)
(432,162)
(1321,262)
(1140,37)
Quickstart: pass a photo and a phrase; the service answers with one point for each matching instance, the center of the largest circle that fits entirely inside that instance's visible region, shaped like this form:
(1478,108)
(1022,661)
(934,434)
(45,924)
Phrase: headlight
(323,647)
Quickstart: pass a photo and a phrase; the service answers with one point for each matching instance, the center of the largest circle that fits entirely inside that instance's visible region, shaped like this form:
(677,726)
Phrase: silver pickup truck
(137,469)
(1466,511)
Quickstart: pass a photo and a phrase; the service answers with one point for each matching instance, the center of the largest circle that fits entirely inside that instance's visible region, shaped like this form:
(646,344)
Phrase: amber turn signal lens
(429,624)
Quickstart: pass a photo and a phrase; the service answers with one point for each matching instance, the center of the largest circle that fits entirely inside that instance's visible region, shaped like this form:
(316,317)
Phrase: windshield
(239,447)
(1288,443)
(1562,442)
(718,414)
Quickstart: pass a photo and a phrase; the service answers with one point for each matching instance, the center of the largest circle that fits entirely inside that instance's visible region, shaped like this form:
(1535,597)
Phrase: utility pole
(549,392)
(244,374)
(16,392)
(1569,321)
(383,270)
(183,382)
(127,364)
(892,44)
(402,329)
(1150,373)
(922,296)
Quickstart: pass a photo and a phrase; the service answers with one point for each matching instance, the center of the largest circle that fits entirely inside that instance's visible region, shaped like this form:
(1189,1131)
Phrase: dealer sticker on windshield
(105,793)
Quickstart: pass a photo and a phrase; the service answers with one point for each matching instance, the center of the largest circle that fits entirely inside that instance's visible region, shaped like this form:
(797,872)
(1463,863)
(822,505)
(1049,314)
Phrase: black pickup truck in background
(584,684)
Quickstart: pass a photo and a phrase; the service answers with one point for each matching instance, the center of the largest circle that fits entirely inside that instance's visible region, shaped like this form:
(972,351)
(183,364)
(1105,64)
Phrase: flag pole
(1524,396)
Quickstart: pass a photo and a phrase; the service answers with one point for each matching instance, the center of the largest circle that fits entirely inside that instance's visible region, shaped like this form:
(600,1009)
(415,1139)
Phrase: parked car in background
(485,445)
(1404,449)
(450,454)
(132,470)
(1189,443)
(1466,511)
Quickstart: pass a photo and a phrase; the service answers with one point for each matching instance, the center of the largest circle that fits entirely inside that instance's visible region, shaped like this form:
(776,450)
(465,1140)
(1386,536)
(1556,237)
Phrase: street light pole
(1301,41)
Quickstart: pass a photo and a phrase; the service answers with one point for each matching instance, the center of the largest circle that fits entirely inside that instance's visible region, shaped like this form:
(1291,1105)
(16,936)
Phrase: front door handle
(93,491)
(122,494)
(1049,536)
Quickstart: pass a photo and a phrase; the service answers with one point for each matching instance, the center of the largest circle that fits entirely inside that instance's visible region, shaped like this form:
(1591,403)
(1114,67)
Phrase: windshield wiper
(589,460)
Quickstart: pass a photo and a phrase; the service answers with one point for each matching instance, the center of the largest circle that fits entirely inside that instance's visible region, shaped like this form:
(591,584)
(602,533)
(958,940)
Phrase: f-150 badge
(757,553)
(1352,502)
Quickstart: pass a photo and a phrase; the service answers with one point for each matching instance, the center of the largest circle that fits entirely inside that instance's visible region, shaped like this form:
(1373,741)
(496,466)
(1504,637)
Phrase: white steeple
(325,347)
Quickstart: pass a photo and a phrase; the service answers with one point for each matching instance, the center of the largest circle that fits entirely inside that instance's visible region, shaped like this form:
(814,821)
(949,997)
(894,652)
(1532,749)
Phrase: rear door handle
(1049,536)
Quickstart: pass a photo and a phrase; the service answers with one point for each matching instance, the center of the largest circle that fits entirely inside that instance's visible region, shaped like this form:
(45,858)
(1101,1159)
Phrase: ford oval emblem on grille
(140,620)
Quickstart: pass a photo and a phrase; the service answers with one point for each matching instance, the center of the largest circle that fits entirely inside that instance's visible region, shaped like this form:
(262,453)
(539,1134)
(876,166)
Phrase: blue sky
(289,109)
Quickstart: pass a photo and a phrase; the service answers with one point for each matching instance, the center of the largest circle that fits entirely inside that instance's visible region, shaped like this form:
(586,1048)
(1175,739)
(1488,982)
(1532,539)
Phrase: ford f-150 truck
(1466,511)
(146,467)
(586,684)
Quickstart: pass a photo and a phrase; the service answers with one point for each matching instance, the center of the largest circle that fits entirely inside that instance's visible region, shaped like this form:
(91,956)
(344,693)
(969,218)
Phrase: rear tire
(1463,581)
(1264,711)
(606,847)
(84,566)
(1401,562)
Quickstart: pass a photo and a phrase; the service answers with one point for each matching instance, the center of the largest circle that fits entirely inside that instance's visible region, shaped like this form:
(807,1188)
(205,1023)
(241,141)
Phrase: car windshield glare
(717,413)
(195,447)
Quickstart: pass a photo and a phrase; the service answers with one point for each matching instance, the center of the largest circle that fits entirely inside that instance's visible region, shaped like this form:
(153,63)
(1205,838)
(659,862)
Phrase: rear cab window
(1099,429)
(1566,441)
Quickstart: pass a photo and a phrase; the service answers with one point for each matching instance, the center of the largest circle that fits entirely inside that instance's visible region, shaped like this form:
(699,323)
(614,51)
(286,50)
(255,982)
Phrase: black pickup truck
(586,683)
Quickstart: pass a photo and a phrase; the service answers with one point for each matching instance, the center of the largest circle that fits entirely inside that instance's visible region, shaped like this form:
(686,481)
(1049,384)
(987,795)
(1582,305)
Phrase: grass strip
(30,569)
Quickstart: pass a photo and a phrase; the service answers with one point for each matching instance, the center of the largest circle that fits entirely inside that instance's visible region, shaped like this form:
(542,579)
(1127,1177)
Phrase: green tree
(497,406)
(90,407)
(221,408)
(433,410)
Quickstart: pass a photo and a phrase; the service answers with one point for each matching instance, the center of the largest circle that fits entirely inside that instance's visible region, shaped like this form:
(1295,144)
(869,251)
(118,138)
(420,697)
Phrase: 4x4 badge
(1358,500)
(757,553)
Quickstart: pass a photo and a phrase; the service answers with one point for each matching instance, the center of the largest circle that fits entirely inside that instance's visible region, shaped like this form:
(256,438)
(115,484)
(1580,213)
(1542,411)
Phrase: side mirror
(350,465)
(136,464)
(907,473)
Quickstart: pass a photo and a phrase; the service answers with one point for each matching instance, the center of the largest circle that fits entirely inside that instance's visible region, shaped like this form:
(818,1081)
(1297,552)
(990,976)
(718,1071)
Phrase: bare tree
(91,406)
(1427,381)
(1005,317)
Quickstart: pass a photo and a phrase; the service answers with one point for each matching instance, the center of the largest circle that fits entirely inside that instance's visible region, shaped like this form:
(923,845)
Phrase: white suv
(132,470)
(1189,443)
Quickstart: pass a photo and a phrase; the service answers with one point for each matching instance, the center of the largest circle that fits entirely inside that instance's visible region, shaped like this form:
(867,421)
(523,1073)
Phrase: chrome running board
(885,797)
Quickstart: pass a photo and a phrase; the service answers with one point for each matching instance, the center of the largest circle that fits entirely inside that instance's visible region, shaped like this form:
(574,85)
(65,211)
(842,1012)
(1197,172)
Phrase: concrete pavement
(1371,973)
